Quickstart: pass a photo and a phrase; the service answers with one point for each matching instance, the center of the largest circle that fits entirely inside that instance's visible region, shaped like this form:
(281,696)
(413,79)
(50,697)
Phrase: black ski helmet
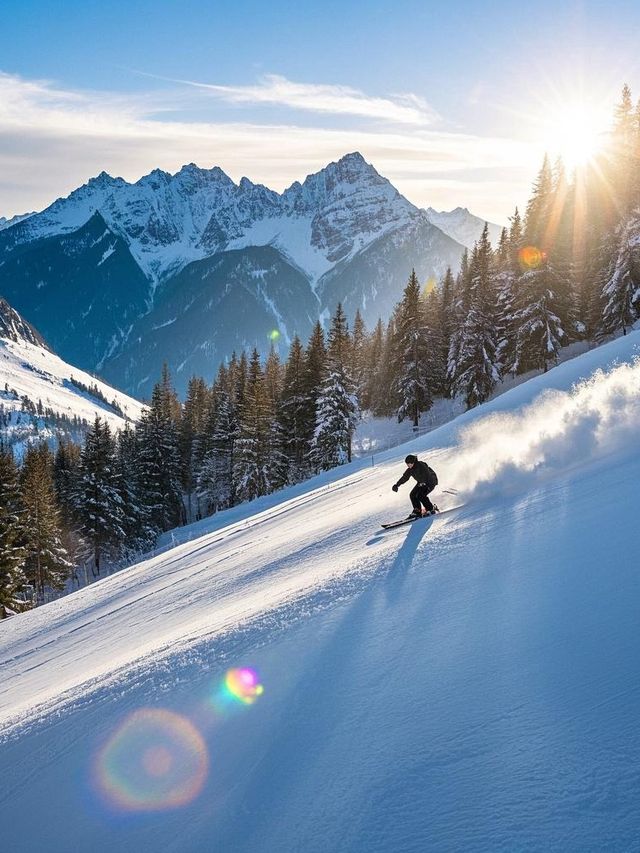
(410,459)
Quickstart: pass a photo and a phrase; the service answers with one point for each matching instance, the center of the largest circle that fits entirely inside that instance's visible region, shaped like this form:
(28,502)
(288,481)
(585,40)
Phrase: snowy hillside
(32,374)
(290,677)
(13,220)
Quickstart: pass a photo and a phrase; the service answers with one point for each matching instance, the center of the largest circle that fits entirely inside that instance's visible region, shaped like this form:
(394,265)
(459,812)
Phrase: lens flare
(530,257)
(274,335)
(155,760)
(244,685)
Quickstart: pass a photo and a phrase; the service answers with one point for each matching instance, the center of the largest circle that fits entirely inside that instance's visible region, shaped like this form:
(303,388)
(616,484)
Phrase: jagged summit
(189,267)
(170,220)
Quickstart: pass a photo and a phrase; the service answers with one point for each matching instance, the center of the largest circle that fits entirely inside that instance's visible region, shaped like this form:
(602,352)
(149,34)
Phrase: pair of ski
(390,524)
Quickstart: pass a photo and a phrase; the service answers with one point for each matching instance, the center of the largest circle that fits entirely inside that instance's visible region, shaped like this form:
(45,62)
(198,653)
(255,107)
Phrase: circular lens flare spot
(274,336)
(243,684)
(530,257)
(155,760)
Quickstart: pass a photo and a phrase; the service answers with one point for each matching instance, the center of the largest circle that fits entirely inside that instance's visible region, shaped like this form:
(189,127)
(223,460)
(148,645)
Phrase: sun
(576,132)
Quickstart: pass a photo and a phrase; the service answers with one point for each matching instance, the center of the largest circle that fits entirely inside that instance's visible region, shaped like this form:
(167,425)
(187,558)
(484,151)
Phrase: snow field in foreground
(466,683)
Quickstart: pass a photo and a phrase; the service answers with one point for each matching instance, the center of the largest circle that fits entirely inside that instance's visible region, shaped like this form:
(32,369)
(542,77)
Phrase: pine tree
(215,473)
(66,470)
(315,366)
(372,362)
(273,376)
(46,563)
(538,306)
(358,357)
(459,311)
(191,432)
(159,456)
(385,400)
(621,291)
(507,276)
(562,253)
(292,414)
(476,369)
(447,325)
(12,552)
(539,209)
(623,168)
(337,405)
(98,498)
(139,533)
(255,458)
(413,356)
(435,324)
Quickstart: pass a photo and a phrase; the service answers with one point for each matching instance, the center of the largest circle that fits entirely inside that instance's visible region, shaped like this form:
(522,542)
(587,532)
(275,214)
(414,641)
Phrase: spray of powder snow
(509,453)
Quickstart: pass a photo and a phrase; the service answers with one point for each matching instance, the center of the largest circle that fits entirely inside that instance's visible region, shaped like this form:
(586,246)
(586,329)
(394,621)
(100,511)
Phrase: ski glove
(395,487)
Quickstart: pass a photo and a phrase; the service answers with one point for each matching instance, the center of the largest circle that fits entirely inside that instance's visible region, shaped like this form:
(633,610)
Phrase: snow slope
(29,370)
(468,682)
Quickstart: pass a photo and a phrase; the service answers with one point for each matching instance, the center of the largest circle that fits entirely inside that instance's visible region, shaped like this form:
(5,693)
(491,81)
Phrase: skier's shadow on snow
(403,560)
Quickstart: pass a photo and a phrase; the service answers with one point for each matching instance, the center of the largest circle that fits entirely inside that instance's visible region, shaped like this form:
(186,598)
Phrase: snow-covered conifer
(98,499)
(46,563)
(413,354)
(12,552)
(337,405)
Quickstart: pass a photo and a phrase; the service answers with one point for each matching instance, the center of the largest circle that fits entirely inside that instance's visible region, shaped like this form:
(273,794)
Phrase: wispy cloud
(321,98)
(53,139)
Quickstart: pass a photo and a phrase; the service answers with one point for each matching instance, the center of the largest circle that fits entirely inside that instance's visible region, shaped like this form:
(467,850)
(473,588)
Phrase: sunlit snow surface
(29,370)
(289,677)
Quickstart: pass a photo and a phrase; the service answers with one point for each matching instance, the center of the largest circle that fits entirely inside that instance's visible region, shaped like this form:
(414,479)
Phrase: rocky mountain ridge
(188,267)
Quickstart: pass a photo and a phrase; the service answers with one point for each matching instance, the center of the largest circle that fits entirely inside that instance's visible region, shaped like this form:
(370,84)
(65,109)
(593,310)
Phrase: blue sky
(454,102)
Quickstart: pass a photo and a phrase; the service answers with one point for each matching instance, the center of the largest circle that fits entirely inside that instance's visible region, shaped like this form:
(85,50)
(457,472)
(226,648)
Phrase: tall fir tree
(292,414)
(314,371)
(372,360)
(159,457)
(191,431)
(358,355)
(448,323)
(66,469)
(413,356)
(139,533)
(215,482)
(46,565)
(256,465)
(621,290)
(337,406)
(476,370)
(98,498)
(12,552)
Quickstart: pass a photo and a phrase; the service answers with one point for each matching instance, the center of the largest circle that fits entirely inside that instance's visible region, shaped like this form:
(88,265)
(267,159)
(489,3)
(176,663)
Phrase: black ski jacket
(421,472)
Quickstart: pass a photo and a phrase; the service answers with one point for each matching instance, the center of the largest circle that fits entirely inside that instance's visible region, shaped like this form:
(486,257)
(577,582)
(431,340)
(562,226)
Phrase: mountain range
(120,277)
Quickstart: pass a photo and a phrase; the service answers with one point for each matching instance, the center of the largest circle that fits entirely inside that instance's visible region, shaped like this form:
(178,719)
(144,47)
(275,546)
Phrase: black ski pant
(419,494)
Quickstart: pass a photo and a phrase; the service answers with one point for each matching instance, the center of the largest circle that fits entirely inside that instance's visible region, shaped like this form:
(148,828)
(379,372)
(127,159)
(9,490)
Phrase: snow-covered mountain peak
(104,181)
(461,225)
(348,204)
(169,220)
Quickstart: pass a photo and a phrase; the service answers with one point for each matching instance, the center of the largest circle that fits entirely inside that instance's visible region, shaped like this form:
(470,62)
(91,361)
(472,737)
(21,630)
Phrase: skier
(426,479)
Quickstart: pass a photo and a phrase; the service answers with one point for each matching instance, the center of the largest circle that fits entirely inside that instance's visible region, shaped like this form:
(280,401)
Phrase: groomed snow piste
(289,677)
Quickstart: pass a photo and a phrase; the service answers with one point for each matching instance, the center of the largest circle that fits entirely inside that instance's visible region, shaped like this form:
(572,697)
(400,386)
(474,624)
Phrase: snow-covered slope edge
(31,371)
(468,682)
